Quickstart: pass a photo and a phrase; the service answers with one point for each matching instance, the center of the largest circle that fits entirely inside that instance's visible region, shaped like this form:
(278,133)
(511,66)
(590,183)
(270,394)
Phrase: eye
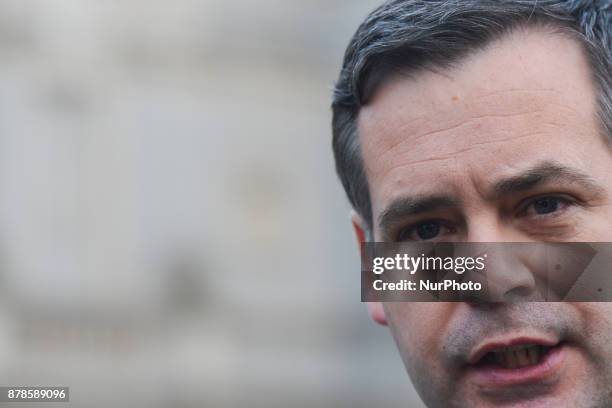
(423,231)
(546,205)
(428,230)
(542,206)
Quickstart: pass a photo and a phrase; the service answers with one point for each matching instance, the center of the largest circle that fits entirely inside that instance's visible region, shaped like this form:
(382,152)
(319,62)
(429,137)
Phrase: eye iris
(546,205)
(428,230)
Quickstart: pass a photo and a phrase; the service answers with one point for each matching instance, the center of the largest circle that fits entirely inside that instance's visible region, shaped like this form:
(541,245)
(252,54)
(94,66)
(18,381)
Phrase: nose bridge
(483,226)
(486,226)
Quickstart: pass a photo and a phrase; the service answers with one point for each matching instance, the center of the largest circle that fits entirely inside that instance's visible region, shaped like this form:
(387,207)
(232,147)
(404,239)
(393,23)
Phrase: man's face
(504,146)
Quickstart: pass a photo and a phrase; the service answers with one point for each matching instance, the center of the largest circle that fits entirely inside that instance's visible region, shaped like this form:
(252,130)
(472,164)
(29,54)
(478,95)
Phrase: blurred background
(172,232)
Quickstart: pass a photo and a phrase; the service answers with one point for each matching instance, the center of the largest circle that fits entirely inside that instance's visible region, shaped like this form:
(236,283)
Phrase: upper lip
(480,351)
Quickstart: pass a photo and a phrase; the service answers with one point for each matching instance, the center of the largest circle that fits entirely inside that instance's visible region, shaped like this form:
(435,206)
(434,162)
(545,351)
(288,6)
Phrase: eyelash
(564,200)
(411,229)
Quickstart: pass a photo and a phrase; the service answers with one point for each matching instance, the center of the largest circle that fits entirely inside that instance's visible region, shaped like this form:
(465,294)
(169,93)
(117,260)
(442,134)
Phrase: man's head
(484,121)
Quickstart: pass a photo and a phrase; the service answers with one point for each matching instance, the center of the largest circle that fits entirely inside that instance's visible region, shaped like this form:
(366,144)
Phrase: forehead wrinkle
(503,92)
(442,150)
(463,122)
(453,155)
(403,166)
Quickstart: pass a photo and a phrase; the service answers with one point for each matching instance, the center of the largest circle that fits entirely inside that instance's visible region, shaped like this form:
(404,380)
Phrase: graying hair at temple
(411,35)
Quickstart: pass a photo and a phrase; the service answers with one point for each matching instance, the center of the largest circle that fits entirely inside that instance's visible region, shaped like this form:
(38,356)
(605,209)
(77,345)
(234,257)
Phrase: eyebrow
(542,173)
(545,172)
(408,206)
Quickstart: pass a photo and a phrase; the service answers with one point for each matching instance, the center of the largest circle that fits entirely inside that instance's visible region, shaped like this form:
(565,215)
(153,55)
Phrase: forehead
(526,98)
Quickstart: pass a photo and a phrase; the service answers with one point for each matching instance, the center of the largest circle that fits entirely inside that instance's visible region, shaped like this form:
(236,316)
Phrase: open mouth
(513,357)
(518,361)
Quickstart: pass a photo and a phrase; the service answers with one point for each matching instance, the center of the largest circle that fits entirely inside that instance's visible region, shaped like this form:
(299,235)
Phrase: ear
(358,228)
(377,313)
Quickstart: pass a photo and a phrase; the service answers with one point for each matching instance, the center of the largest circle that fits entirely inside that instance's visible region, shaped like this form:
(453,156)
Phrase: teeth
(517,357)
(534,355)
(522,357)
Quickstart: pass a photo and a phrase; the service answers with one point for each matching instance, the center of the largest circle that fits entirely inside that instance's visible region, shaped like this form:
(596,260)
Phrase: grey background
(172,233)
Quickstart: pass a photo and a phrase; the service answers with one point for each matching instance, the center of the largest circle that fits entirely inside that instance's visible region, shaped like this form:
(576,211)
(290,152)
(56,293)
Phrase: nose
(506,276)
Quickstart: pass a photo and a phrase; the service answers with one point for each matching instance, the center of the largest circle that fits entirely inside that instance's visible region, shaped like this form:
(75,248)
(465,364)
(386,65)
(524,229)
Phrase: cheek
(419,328)
(593,225)
(597,329)
(597,320)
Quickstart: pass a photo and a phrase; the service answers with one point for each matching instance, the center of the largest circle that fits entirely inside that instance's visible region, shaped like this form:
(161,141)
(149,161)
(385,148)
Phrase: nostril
(519,293)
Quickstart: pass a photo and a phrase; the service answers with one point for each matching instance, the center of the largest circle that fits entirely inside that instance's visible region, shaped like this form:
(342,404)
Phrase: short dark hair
(410,35)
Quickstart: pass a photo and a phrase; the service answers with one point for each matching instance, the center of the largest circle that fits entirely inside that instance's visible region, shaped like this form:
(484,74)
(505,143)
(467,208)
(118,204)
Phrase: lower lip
(497,377)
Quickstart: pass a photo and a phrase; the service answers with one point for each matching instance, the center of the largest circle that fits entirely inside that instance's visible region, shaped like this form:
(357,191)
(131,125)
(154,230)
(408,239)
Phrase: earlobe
(377,312)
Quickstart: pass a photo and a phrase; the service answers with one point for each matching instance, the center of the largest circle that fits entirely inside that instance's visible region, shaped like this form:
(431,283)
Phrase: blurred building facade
(172,232)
